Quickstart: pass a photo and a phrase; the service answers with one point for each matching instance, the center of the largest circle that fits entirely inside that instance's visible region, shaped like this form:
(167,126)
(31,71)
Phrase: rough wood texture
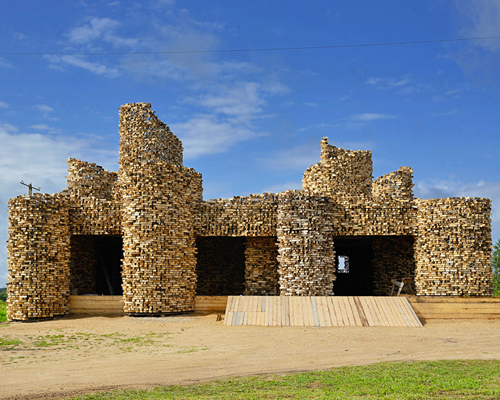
(320,311)
(447,307)
(158,199)
(306,249)
(156,204)
(94,207)
(393,258)
(82,265)
(220,267)
(453,247)
(253,215)
(38,257)
(261,266)
(362,207)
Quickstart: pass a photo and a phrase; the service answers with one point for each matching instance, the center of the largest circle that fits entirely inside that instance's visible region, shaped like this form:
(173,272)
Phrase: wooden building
(146,233)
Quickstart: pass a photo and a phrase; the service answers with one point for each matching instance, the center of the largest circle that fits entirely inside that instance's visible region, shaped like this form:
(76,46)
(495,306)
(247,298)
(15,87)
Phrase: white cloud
(4,63)
(297,158)
(3,104)
(97,28)
(46,110)
(374,81)
(483,21)
(44,127)
(445,114)
(7,128)
(206,134)
(243,100)
(388,82)
(319,126)
(366,117)
(81,62)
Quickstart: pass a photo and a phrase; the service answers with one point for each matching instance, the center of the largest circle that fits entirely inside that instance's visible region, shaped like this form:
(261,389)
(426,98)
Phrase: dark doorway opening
(96,264)
(354,266)
(366,265)
(220,265)
(108,265)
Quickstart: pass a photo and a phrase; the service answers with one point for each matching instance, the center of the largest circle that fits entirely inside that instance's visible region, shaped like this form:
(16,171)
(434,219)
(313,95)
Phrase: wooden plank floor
(320,311)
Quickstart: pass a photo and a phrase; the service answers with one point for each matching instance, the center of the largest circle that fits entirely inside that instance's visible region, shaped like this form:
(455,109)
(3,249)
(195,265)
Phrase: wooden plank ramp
(320,311)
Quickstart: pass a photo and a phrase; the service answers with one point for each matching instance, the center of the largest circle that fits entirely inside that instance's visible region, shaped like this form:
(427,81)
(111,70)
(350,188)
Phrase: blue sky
(252,121)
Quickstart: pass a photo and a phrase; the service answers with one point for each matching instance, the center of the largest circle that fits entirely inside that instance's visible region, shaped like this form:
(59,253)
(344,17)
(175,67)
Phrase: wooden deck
(113,305)
(448,307)
(320,311)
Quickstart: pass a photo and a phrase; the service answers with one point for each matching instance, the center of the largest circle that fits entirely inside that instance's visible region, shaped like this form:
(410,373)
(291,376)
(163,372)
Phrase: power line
(335,46)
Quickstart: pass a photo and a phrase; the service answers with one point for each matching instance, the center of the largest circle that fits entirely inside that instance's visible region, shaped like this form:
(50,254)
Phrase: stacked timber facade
(145,233)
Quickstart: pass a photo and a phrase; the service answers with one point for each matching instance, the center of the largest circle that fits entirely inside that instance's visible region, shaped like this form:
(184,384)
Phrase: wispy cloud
(444,114)
(46,110)
(4,63)
(3,104)
(387,82)
(319,126)
(368,117)
(229,117)
(46,128)
(483,20)
(229,97)
(297,158)
(403,85)
(80,61)
(100,29)
(208,134)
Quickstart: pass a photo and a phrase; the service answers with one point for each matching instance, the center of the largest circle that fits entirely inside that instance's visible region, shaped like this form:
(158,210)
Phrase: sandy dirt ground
(81,354)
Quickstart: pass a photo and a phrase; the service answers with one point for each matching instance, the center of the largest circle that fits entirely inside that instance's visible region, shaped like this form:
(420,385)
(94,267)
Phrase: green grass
(54,343)
(416,380)
(8,343)
(3,311)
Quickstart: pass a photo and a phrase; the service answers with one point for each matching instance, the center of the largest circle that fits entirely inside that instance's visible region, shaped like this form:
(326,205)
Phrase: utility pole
(30,186)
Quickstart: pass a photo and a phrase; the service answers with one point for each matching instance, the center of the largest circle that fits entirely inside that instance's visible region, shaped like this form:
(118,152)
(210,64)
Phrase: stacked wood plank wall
(94,199)
(38,257)
(159,199)
(393,258)
(453,247)
(362,206)
(82,267)
(261,266)
(253,215)
(220,266)
(306,250)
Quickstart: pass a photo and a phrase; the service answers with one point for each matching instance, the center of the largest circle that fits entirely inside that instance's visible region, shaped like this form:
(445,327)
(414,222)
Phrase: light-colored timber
(444,307)
(107,305)
(320,311)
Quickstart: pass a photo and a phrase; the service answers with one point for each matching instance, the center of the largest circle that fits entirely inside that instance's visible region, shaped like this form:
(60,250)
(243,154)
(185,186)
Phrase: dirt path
(82,354)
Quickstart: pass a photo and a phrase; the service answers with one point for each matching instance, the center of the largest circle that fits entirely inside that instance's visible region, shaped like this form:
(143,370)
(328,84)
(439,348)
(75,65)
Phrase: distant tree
(3,296)
(495,264)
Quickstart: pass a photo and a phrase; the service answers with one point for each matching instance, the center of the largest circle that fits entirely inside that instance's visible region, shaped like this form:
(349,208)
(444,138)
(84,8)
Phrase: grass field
(416,380)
